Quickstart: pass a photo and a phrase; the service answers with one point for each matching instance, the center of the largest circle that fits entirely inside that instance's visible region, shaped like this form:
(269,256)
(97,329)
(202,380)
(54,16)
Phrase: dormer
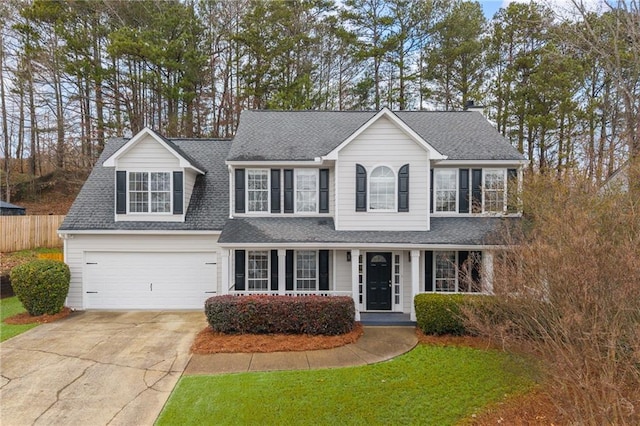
(154,179)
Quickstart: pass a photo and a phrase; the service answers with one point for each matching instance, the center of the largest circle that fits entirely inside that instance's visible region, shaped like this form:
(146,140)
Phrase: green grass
(430,385)
(9,307)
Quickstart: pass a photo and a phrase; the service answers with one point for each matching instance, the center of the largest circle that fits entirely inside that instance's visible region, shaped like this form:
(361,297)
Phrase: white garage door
(148,280)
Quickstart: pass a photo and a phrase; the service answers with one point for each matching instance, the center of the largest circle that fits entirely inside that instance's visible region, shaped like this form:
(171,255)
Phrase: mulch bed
(210,342)
(25,318)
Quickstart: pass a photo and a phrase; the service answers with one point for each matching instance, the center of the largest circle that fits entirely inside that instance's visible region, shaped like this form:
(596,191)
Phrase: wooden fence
(28,232)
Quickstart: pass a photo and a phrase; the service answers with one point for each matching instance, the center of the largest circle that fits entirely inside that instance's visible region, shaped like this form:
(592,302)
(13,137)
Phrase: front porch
(382,281)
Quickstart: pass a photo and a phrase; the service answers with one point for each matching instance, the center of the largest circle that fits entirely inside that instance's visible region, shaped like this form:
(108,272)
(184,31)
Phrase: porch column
(415,280)
(224,260)
(282,275)
(487,271)
(355,277)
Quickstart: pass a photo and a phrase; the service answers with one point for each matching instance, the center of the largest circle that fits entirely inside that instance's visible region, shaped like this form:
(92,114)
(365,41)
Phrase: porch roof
(445,231)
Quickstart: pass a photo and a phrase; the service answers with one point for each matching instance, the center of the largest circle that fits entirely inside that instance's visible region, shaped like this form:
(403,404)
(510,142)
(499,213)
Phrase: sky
(490,7)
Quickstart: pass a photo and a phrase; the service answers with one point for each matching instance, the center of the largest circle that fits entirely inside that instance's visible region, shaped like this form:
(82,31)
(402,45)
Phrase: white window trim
(149,212)
(295,191)
(246,268)
(246,191)
(455,266)
(504,190)
(295,271)
(435,191)
(395,190)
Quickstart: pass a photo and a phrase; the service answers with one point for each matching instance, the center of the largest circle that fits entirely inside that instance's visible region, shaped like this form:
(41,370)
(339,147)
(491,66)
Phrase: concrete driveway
(95,368)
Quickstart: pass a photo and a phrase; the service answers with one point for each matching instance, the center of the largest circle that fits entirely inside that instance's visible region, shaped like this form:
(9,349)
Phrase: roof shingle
(306,135)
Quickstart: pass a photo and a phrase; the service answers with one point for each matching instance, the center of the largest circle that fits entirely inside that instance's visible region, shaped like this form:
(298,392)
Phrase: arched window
(382,189)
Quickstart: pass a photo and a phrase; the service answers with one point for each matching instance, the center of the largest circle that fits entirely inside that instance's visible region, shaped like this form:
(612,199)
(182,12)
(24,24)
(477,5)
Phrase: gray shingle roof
(465,231)
(305,135)
(94,207)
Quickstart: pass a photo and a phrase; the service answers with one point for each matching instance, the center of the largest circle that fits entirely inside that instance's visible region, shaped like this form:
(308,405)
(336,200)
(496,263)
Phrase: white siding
(343,272)
(189,182)
(77,245)
(383,143)
(148,155)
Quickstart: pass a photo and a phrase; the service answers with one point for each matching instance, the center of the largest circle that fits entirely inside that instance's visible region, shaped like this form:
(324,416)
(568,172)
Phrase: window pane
(160,192)
(306,270)
(306,190)
(258,270)
(382,189)
(446,185)
(257,190)
(493,189)
(445,272)
(138,195)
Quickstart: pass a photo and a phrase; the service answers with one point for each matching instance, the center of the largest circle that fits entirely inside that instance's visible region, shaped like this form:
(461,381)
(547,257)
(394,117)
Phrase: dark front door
(379,281)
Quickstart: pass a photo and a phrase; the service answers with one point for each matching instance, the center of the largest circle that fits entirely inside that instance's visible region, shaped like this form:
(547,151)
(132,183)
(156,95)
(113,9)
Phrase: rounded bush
(41,285)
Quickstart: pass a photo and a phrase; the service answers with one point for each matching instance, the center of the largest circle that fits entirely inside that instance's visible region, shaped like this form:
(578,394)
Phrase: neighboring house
(379,206)
(8,209)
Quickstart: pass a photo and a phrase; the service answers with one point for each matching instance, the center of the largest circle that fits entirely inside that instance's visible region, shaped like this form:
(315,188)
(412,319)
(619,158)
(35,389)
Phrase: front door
(379,281)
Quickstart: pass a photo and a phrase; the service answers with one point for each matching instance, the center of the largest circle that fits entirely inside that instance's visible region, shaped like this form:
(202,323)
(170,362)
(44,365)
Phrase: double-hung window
(382,189)
(494,194)
(258,190)
(445,271)
(446,189)
(306,186)
(258,270)
(149,192)
(306,270)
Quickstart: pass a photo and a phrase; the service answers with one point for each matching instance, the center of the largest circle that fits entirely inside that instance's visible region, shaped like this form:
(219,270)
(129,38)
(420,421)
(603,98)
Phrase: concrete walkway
(95,368)
(376,345)
(119,368)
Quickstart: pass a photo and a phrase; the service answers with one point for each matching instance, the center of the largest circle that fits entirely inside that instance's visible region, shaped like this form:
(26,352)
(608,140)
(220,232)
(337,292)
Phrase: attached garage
(148,280)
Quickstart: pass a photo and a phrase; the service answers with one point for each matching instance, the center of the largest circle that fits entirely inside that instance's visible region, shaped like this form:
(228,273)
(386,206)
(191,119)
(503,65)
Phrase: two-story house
(379,206)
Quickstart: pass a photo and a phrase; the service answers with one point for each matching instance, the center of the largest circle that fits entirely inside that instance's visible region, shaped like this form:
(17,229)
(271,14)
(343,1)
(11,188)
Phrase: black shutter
(476,191)
(476,267)
(178,197)
(275,190)
(463,195)
(121,192)
(512,191)
(403,189)
(323,266)
(324,191)
(289,271)
(428,270)
(240,272)
(463,278)
(239,178)
(361,188)
(288,191)
(274,270)
(431,183)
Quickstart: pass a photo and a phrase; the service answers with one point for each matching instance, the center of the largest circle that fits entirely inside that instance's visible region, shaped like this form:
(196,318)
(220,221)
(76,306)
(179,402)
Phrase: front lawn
(429,385)
(8,308)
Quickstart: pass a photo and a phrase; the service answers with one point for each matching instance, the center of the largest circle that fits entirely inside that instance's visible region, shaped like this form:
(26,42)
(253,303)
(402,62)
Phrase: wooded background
(562,85)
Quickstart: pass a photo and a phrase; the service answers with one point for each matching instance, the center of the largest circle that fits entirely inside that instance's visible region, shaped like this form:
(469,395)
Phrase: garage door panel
(149,280)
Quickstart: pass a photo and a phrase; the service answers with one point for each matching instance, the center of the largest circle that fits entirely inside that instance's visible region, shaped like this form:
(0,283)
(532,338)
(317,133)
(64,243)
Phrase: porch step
(386,319)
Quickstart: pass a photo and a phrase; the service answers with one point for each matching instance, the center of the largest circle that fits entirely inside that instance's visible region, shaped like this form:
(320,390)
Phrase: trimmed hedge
(280,314)
(443,313)
(41,285)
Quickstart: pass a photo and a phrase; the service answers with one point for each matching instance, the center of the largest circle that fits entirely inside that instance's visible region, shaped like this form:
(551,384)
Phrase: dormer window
(149,192)
(382,189)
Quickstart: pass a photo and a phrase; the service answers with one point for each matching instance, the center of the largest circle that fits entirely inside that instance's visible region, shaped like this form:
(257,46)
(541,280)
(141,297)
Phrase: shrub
(41,285)
(447,313)
(280,314)
(569,288)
